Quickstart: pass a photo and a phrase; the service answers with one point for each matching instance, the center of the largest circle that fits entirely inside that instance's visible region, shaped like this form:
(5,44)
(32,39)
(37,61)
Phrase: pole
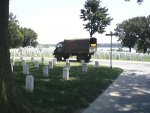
(111,52)
(111,34)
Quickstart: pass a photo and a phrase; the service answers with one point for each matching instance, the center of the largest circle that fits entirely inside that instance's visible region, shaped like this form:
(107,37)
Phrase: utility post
(111,34)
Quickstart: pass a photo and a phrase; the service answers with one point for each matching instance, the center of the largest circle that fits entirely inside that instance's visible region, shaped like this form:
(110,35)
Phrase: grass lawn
(55,95)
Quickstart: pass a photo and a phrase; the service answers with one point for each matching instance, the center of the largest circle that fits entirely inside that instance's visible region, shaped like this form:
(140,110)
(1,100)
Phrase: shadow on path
(130,93)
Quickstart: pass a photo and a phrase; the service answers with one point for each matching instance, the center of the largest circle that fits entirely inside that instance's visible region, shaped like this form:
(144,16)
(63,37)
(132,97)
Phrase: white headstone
(82,62)
(96,64)
(36,64)
(32,59)
(25,69)
(29,83)
(84,67)
(119,55)
(42,60)
(68,65)
(12,60)
(21,58)
(45,71)
(23,62)
(142,57)
(54,60)
(65,73)
(67,60)
(50,64)
(12,67)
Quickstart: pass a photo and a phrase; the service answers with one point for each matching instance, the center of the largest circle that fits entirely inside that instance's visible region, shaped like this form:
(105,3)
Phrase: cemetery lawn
(54,95)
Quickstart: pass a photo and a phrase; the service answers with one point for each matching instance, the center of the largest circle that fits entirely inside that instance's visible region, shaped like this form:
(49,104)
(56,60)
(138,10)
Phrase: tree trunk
(8,95)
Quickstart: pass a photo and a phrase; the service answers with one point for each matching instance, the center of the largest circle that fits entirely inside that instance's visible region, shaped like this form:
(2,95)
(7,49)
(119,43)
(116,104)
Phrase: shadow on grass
(54,95)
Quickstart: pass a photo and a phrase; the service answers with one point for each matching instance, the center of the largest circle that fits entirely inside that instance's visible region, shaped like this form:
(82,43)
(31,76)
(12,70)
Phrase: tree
(16,36)
(20,36)
(138,1)
(30,37)
(126,34)
(133,32)
(8,92)
(95,16)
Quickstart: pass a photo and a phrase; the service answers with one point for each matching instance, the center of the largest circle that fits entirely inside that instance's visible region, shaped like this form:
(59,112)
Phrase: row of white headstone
(84,68)
(66,69)
(120,55)
(29,78)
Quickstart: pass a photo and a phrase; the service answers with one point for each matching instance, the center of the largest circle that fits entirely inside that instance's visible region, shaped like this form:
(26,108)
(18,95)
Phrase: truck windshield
(59,45)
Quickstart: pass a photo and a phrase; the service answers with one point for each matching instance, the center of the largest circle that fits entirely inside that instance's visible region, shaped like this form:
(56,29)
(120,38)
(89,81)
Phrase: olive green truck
(81,48)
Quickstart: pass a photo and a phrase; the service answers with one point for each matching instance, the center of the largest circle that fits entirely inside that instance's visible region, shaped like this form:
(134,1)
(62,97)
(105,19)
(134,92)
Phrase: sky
(56,20)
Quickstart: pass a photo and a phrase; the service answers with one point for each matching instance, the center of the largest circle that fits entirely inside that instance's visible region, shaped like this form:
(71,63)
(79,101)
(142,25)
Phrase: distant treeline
(114,45)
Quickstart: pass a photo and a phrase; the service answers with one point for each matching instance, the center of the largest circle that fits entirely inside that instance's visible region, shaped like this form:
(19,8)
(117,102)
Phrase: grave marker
(66,74)
(42,60)
(45,71)
(25,69)
(54,60)
(36,64)
(23,62)
(67,60)
(50,64)
(82,62)
(32,59)
(96,64)
(84,67)
(68,65)
(29,83)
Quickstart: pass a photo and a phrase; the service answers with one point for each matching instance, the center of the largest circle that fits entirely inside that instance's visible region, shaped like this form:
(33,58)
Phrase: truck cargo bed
(76,46)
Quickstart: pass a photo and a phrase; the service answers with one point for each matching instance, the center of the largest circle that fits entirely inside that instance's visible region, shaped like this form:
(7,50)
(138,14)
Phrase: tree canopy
(20,36)
(96,17)
(134,33)
(138,1)
(16,36)
(29,38)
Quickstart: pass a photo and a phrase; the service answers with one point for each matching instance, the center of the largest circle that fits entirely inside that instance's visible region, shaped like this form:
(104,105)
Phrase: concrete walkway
(129,93)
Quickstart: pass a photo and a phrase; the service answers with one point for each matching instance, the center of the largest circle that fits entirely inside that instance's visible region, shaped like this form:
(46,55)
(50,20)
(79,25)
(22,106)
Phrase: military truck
(81,48)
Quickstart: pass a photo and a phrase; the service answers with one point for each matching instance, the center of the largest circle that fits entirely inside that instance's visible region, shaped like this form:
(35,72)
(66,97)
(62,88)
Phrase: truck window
(58,45)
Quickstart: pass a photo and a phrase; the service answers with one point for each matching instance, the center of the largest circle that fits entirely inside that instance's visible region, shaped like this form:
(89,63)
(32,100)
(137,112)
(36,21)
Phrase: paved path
(130,93)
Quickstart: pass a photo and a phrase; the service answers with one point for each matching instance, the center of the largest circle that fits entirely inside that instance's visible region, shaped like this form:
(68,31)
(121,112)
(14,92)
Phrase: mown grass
(55,95)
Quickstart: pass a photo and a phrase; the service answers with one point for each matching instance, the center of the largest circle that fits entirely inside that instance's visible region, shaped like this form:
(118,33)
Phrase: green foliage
(138,1)
(96,17)
(16,36)
(30,37)
(20,36)
(134,32)
(54,95)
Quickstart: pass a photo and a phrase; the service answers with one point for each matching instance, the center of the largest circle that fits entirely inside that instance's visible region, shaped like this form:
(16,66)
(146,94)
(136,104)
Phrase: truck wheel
(80,57)
(59,58)
(87,58)
(66,57)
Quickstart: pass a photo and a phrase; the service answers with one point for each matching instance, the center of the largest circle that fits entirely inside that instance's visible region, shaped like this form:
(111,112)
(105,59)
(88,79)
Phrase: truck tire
(87,58)
(80,57)
(59,57)
(65,56)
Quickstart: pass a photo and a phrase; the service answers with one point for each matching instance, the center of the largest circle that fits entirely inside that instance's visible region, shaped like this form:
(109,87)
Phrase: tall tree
(30,37)
(8,93)
(138,1)
(126,34)
(133,32)
(16,36)
(95,16)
